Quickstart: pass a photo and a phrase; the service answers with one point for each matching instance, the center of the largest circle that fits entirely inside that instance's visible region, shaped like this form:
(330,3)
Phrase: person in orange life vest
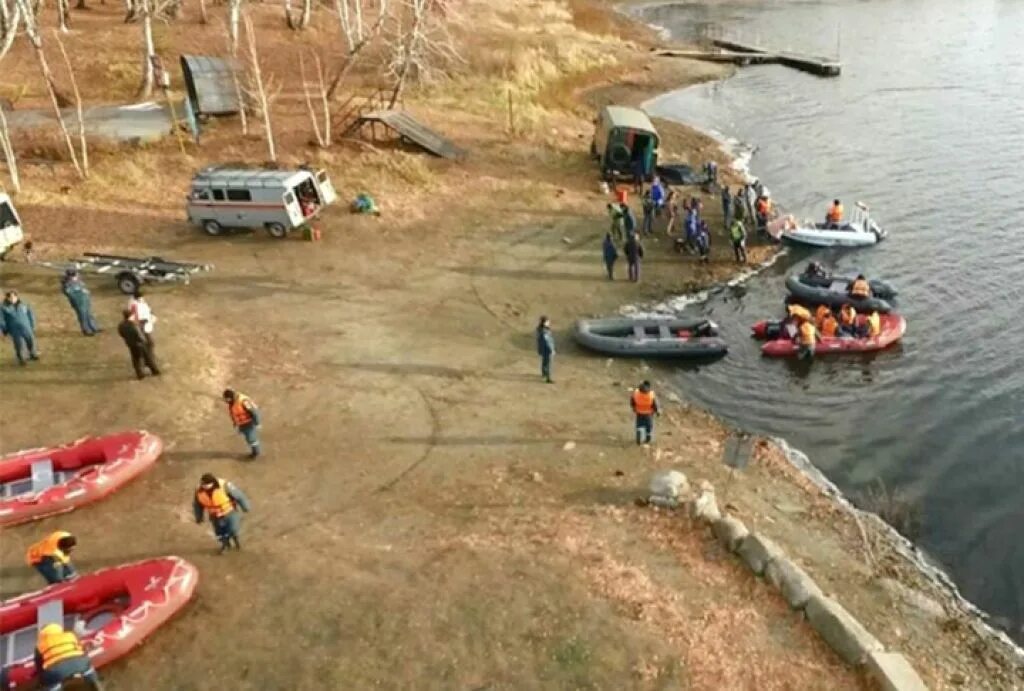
(847,320)
(829,326)
(60,657)
(645,407)
(872,326)
(245,416)
(51,557)
(221,500)
(820,313)
(807,337)
(834,217)
(860,288)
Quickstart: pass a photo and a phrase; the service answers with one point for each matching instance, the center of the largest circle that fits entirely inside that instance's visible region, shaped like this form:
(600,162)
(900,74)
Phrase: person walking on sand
(144,316)
(704,242)
(672,203)
(634,252)
(645,407)
(738,235)
(628,219)
(220,500)
(648,213)
(610,255)
(81,302)
(726,207)
(245,416)
(138,346)
(658,195)
(18,321)
(739,205)
(545,348)
(615,214)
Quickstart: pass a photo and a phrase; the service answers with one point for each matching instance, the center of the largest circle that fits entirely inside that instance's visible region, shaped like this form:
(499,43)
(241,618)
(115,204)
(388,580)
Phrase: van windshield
(7,217)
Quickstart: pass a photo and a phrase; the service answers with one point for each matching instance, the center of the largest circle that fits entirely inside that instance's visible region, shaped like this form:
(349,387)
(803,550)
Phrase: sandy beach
(428,514)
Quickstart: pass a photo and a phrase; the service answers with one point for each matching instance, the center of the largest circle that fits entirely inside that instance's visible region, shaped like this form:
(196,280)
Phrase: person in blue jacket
(610,255)
(18,321)
(81,302)
(545,348)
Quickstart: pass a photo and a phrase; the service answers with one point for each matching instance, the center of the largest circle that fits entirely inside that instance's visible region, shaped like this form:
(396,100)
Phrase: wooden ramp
(823,67)
(410,129)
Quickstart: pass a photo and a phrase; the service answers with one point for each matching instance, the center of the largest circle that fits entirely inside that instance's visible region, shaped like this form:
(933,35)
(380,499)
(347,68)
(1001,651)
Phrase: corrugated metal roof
(210,84)
(634,118)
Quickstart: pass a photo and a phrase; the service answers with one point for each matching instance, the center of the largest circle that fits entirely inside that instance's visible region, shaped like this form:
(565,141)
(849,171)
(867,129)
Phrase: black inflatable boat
(833,293)
(651,338)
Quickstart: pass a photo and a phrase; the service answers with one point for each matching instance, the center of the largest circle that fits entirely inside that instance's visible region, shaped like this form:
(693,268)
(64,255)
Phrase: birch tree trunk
(78,106)
(148,49)
(203,18)
(261,93)
(234,11)
(356,37)
(63,11)
(36,40)
(11,19)
(5,145)
(239,95)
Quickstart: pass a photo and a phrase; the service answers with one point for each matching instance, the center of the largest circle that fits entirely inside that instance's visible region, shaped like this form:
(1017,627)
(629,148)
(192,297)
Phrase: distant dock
(744,54)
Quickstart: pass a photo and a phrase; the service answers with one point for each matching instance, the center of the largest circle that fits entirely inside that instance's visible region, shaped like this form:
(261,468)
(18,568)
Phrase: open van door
(326,188)
(10,226)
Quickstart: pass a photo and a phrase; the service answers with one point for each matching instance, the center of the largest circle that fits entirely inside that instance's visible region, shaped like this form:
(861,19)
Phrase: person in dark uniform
(138,346)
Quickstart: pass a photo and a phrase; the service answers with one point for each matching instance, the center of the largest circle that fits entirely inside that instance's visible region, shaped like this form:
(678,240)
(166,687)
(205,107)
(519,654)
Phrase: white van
(10,226)
(278,200)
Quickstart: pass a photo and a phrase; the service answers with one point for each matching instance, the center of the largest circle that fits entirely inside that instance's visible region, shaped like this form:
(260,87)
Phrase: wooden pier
(744,54)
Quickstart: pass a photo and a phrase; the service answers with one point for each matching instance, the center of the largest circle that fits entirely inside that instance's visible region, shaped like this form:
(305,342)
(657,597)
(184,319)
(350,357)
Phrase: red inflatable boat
(43,482)
(112,610)
(893,328)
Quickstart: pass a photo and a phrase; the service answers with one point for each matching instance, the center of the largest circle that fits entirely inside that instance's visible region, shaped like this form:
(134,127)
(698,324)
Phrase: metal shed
(210,84)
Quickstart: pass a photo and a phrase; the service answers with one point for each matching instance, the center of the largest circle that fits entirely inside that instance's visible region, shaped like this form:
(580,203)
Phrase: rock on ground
(841,631)
(670,484)
(894,673)
(792,581)
(730,532)
(757,551)
(705,507)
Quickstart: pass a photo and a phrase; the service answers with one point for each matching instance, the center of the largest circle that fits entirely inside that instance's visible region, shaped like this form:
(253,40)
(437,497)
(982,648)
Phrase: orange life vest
(643,402)
(848,315)
(835,213)
(829,326)
(860,289)
(239,413)
(807,334)
(47,547)
(799,312)
(217,503)
(820,314)
(761,207)
(874,325)
(57,645)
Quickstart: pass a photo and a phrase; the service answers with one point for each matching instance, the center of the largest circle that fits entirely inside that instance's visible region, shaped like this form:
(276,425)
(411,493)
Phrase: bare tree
(239,94)
(420,44)
(63,15)
(203,18)
(5,146)
(32,31)
(261,92)
(351,15)
(323,137)
(147,10)
(10,17)
(78,105)
(305,14)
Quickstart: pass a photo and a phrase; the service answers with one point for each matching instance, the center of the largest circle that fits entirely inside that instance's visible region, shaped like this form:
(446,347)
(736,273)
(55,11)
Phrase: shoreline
(801,461)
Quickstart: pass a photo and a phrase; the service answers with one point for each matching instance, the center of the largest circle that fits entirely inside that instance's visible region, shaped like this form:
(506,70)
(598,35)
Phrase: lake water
(926,125)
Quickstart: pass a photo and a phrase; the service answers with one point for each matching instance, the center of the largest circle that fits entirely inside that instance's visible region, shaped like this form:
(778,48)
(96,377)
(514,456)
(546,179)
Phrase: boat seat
(638,332)
(42,475)
(664,331)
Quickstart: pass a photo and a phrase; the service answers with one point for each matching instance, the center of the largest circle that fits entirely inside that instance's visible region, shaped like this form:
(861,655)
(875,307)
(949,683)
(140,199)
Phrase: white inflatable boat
(860,230)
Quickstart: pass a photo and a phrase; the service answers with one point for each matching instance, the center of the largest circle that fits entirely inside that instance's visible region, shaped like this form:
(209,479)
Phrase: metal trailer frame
(131,272)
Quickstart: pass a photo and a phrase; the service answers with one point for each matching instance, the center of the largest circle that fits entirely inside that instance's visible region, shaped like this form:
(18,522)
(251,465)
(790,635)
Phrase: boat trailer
(131,272)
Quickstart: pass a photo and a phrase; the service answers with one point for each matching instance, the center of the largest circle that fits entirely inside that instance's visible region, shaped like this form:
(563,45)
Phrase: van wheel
(277,230)
(212,228)
(127,283)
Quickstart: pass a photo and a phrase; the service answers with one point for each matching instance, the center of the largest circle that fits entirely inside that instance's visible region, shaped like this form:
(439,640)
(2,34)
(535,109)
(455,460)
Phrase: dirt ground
(420,520)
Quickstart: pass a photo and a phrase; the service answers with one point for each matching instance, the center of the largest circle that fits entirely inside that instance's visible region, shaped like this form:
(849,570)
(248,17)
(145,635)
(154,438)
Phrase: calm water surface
(927,126)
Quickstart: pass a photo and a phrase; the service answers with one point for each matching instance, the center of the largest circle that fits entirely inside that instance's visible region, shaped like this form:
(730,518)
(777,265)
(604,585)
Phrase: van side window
(218,194)
(200,194)
(239,196)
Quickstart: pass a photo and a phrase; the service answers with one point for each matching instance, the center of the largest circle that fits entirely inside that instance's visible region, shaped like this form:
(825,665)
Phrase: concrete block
(757,551)
(792,581)
(670,484)
(730,532)
(841,631)
(893,672)
(705,507)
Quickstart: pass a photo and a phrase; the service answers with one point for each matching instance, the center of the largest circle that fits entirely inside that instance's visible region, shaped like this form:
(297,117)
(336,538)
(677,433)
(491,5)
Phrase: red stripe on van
(248,205)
